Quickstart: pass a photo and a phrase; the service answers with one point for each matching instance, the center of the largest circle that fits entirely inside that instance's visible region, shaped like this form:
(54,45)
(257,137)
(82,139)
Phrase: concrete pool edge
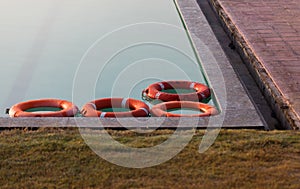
(238,112)
(237,104)
(281,106)
(128,123)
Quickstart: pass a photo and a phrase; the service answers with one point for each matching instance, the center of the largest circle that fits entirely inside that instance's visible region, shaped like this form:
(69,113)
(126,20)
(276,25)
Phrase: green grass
(57,158)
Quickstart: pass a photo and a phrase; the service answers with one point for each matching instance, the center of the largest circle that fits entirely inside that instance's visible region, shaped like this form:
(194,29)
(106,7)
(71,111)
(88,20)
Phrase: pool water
(115,110)
(43,109)
(179,91)
(184,111)
(84,50)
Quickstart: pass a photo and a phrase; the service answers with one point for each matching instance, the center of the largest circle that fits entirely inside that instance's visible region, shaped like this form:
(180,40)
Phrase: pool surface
(84,50)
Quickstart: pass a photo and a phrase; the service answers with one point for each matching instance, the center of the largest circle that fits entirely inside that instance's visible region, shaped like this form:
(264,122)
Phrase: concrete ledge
(129,123)
(233,99)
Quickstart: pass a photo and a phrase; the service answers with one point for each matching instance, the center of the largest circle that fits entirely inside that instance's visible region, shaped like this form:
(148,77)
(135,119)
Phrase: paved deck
(267,34)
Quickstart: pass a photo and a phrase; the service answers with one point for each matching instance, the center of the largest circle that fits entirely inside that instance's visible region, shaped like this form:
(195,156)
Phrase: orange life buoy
(160,110)
(68,108)
(137,108)
(154,91)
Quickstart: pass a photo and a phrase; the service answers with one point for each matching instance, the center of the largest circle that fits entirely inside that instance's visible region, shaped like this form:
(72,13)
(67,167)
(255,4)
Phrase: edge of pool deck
(284,108)
(237,110)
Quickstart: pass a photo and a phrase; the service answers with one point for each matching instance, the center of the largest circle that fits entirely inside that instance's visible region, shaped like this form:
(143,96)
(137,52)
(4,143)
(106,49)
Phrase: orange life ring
(160,110)
(137,108)
(154,91)
(19,110)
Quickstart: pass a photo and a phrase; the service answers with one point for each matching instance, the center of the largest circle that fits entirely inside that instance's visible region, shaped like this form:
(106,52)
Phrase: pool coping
(237,110)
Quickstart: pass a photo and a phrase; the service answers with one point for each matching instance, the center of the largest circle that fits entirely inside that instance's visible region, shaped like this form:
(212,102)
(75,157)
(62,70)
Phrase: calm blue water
(86,49)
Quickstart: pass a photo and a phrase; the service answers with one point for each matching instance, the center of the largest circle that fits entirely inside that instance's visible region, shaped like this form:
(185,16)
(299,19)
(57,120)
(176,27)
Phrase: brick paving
(269,33)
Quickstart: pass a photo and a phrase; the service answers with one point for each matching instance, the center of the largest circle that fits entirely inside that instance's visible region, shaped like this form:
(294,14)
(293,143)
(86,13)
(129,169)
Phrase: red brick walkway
(271,29)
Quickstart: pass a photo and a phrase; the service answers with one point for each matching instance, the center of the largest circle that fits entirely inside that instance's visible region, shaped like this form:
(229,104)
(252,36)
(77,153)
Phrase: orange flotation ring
(154,91)
(137,108)
(160,110)
(19,110)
